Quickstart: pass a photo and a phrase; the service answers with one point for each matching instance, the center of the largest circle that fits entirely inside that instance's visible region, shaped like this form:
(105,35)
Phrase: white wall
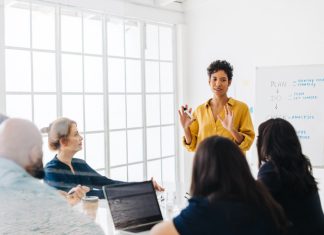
(248,34)
(139,9)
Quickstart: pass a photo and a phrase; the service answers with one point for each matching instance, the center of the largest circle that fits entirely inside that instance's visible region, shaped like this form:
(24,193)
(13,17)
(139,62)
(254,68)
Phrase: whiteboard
(295,93)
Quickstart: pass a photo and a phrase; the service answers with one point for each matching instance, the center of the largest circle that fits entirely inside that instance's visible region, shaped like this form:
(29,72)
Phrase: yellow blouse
(205,125)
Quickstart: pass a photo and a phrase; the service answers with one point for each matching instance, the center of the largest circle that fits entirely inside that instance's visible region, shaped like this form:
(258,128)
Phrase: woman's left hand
(75,194)
(156,186)
(227,122)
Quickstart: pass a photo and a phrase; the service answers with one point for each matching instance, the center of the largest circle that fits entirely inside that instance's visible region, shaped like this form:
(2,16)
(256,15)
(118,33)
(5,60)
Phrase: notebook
(133,206)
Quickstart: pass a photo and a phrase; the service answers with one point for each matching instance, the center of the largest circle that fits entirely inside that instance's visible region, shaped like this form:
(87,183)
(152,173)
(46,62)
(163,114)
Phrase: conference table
(99,212)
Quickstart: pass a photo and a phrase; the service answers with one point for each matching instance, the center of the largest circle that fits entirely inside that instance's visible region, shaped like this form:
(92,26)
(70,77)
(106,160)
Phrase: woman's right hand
(184,116)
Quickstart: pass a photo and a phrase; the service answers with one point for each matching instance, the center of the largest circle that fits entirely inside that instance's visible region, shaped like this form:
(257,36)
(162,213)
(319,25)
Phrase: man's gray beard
(36,170)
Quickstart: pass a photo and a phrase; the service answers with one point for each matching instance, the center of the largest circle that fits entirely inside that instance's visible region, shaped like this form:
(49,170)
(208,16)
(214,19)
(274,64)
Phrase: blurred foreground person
(27,205)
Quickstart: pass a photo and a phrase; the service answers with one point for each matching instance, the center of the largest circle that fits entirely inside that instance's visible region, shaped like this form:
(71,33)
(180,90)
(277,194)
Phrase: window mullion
(144,145)
(161,162)
(125,85)
(83,88)
(31,60)
(106,96)
(58,61)
(2,60)
(176,105)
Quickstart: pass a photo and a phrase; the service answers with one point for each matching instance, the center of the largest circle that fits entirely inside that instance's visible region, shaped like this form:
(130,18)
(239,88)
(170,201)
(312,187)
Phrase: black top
(304,212)
(224,217)
(60,176)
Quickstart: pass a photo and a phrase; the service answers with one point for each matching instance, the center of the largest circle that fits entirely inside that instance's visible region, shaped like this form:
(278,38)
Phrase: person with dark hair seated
(65,172)
(287,173)
(226,199)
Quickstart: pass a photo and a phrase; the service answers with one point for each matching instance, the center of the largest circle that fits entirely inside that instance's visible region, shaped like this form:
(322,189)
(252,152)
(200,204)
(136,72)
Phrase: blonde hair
(57,130)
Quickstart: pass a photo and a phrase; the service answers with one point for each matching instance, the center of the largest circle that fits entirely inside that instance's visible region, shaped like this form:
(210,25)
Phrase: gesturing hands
(184,116)
(227,122)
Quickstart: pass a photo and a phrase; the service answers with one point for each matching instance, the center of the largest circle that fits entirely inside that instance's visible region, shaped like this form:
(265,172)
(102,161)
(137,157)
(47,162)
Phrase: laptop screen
(132,204)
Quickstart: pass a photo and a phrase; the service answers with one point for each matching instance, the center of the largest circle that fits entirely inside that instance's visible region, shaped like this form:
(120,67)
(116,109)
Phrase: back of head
(20,141)
(220,168)
(57,130)
(278,139)
(220,171)
(278,142)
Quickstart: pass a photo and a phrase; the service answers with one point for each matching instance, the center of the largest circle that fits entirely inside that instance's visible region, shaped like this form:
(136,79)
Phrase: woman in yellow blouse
(220,115)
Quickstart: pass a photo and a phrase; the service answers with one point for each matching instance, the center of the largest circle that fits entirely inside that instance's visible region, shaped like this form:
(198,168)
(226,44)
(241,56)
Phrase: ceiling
(159,3)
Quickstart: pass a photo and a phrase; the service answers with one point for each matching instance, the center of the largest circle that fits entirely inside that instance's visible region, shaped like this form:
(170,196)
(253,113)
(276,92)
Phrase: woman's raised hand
(185,116)
(227,122)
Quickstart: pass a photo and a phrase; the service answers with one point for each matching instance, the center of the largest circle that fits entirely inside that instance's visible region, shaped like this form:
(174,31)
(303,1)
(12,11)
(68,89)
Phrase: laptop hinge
(141,225)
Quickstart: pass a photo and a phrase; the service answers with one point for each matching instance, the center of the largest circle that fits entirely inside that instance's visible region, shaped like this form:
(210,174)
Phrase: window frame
(105,93)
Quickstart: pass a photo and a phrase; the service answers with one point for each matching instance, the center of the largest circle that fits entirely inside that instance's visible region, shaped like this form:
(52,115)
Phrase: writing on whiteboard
(294,93)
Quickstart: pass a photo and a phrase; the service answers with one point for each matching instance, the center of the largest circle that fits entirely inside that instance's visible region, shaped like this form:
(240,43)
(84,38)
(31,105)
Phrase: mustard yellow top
(205,125)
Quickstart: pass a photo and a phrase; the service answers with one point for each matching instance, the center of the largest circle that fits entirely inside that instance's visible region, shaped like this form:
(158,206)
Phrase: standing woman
(226,199)
(287,173)
(65,172)
(220,115)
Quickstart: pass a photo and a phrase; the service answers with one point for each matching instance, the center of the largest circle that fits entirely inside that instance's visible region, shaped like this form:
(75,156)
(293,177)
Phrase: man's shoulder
(30,190)
(41,212)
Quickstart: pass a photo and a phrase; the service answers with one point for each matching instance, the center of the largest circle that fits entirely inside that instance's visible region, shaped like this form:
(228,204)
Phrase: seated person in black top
(65,172)
(226,199)
(287,173)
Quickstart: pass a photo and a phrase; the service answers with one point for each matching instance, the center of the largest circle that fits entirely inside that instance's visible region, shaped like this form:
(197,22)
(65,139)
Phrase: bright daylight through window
(113,76)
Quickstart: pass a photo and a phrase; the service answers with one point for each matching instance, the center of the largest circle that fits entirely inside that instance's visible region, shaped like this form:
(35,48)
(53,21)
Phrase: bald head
(21,142)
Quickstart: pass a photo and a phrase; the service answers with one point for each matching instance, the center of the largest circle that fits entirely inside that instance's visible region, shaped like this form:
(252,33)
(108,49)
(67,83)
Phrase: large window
(113,76)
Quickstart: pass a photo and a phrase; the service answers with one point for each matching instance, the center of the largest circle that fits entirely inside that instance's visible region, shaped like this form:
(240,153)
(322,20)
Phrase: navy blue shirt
(223,217)
(304,212)
(60,176)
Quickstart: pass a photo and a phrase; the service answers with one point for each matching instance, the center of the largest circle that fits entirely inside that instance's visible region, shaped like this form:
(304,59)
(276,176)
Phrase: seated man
(27,205)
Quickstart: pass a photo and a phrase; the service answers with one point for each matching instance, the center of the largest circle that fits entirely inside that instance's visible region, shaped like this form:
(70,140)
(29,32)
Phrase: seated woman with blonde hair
(65,172)
(226,199)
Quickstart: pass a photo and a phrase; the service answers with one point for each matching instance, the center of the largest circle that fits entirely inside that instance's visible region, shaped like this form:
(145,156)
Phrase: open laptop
(133,206)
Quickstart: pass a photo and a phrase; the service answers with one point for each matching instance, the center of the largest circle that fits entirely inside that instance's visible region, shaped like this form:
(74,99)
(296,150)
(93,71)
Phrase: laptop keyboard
(140,228)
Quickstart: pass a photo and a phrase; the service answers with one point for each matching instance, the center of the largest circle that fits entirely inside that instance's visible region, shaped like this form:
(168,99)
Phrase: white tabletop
(101,214)
(170,201)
